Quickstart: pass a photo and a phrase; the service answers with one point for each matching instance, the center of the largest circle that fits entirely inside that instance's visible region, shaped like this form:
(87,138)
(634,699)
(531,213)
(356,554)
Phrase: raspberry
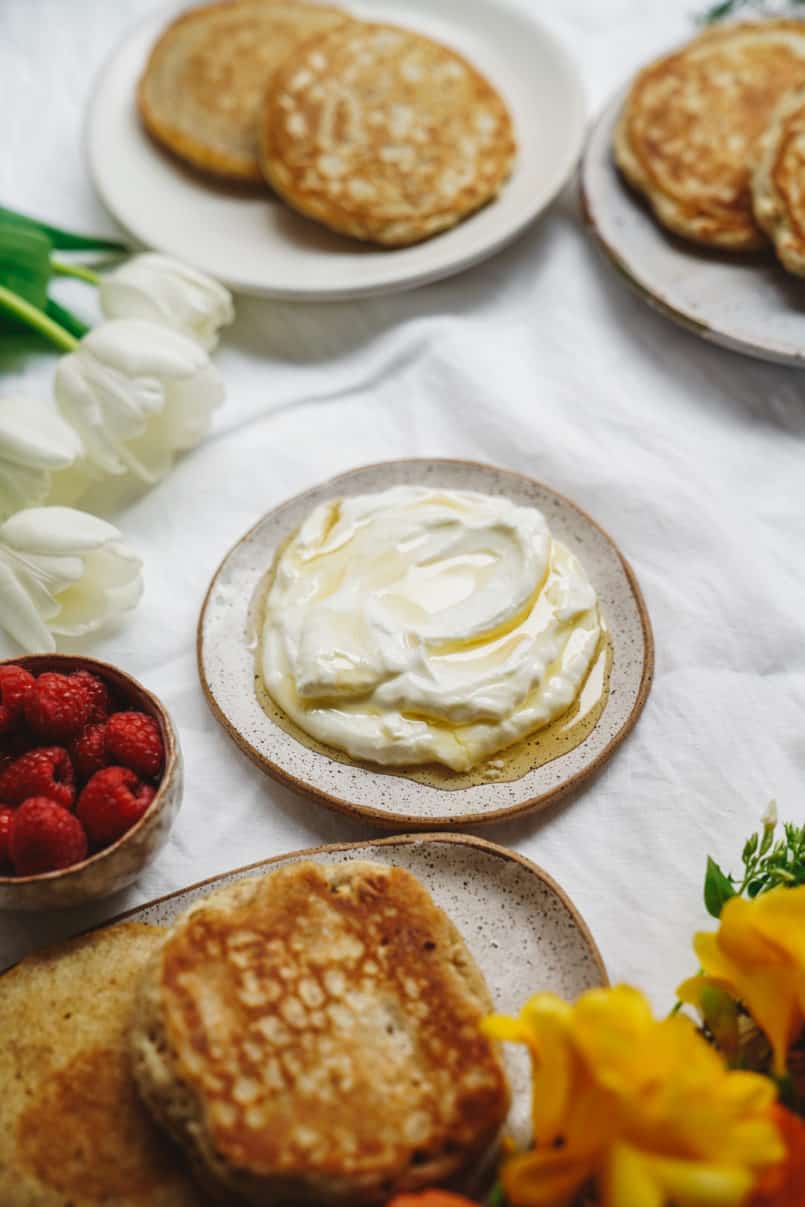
(88,751)
(111,803)
(46,771)
(6,816)
(44,837)
(15,686)
(133,740)
(57,708)
(98,694)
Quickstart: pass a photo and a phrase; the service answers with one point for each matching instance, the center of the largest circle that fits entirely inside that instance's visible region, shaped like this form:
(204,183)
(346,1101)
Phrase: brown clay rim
(388,820)
(127,685)
(398,840)
(659,303)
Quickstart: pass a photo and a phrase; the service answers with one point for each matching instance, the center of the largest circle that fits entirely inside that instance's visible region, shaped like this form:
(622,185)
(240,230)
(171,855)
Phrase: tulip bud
(137,394)
(64,572)
(35,444)
(164,291)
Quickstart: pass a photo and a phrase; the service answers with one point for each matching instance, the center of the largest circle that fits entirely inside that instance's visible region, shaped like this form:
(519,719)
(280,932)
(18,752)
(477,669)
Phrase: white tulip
(62,571)
(137,394)
(35,444)
(164,291)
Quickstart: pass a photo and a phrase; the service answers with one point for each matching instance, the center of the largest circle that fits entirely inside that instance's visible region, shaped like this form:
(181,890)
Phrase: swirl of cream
(421,625)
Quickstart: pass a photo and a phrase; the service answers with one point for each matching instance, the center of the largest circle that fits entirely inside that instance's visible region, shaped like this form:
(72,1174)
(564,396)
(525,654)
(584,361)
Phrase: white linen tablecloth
(693,458)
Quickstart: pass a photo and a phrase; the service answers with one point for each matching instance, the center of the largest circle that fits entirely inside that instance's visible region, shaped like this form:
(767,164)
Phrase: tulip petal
(20,618)
(138,348)
(56,530)
(161,290)
(35,436)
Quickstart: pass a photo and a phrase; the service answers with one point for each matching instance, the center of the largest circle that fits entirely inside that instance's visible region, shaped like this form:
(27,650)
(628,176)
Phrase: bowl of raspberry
(90,780)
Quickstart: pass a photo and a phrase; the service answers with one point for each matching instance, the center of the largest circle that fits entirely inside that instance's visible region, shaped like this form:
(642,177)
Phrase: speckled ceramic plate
(746,302)
(396,798)
(520,926)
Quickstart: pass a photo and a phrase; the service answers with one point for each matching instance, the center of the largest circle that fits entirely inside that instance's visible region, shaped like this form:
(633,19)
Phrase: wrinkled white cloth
(693,458)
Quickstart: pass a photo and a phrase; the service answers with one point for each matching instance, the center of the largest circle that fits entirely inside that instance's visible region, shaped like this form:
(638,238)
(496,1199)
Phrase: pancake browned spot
(778,184)
(383,134)
(692,123)
(203,85)
(312,1037)
(86,1132)
(72,1128)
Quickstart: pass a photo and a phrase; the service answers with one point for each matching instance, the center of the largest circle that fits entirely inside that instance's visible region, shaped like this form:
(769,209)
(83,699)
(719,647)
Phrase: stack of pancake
(714,136)
(375,131)
(310,1037)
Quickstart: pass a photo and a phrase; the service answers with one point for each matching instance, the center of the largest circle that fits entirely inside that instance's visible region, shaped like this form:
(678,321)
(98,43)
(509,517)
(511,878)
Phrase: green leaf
(65,318)
(63,240)
(718,888)
(719,11)
(750,846)
(24,266)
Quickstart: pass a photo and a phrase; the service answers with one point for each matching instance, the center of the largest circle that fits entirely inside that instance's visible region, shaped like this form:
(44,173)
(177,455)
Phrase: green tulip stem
(12,303)
(63,269)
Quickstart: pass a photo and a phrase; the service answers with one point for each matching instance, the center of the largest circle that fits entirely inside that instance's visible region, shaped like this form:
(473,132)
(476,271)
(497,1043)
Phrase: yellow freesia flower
(758,956)
(646,1110)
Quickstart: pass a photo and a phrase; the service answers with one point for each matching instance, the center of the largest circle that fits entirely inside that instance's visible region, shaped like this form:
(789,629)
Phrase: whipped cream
(421,625)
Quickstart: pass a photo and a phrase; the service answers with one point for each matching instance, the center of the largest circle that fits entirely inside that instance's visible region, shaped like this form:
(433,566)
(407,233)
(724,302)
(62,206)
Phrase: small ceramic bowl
(117,865)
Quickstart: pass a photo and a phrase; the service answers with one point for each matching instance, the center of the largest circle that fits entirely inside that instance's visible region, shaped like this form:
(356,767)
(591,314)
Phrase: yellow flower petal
(627,1180)
(639,1180)
(550,1179)
(758,956)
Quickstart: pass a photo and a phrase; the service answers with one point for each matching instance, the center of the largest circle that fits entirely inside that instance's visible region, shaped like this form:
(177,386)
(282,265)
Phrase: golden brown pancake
(72,1129)
(383,134)
(692,123)
(778,184)
(312,1037)
(203,85)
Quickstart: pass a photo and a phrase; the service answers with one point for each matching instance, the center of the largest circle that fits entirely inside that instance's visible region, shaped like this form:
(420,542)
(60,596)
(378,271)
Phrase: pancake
(312,1037)
(383,134)
(692,124)
(72,1129)
(203,85)
(778,184)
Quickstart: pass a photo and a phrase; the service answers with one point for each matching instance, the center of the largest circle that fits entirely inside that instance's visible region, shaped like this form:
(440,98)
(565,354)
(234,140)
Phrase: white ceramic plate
(520,926)
(257,245)
(226,657)
(745,302)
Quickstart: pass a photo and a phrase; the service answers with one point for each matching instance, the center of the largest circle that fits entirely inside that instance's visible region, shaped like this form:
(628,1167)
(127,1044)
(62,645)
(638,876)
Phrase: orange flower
(784,1185)
(431,1198)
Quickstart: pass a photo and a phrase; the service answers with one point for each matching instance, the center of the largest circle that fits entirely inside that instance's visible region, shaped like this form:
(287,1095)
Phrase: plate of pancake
(303,1030)
(535,770)
(692,186)
(308,151)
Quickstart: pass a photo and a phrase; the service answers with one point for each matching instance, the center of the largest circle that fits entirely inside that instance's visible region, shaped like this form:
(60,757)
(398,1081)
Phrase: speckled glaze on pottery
(743,301)
(520,926)
(226,661)
(117,865)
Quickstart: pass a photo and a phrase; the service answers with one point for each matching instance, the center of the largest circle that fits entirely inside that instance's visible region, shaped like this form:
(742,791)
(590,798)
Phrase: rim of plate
(596,172)
(384,781)
(396,270)
(397,840)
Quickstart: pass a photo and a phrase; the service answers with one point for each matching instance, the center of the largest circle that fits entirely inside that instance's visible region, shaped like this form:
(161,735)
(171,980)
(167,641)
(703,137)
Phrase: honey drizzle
(512,763)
